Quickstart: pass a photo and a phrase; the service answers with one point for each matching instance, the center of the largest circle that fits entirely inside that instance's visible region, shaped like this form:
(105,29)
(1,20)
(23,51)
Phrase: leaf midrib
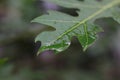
(104,8)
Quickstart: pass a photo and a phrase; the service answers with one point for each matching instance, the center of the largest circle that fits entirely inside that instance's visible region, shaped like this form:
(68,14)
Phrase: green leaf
(82,27)
(3,61)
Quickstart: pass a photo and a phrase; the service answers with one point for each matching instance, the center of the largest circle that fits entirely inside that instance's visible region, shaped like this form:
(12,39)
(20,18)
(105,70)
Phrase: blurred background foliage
(18,60)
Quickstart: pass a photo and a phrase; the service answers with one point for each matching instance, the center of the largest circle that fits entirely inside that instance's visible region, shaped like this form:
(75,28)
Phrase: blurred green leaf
(82,27)
(3,61)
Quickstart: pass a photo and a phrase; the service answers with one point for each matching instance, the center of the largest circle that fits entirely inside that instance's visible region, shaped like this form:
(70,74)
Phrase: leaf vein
(109,5)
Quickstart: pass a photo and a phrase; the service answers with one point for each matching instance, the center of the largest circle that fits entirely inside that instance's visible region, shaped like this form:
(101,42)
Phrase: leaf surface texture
(82,26)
